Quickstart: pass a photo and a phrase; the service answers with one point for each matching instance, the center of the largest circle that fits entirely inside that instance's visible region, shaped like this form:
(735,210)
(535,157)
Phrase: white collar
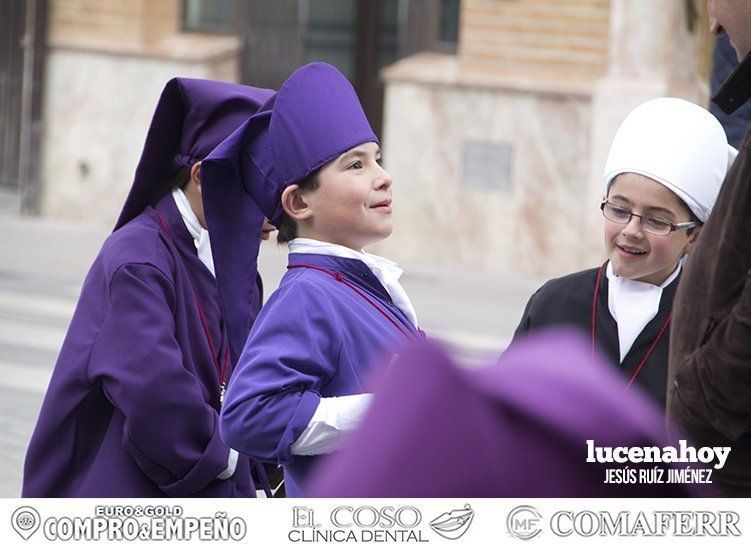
(633,304)
(200,235)
(387,272)
(642,284)
(309,245)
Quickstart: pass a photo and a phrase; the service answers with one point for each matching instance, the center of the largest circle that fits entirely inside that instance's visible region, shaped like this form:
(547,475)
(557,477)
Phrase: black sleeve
(527,322)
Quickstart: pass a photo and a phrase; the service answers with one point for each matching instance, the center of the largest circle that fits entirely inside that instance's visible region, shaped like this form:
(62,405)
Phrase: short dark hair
(180,178)
(288,226)
(691,217)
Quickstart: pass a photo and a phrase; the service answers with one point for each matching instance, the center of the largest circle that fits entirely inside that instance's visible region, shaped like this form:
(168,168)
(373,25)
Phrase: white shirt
(335,416)
(633,304)
(387,272)
(200,235)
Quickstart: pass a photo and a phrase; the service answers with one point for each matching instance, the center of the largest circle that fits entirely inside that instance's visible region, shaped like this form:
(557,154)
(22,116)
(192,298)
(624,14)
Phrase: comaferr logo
(661,523)
(524,522)
(453,524)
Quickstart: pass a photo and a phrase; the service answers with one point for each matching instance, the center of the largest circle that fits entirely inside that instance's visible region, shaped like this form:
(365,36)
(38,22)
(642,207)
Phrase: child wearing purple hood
(312,163)
(132,408)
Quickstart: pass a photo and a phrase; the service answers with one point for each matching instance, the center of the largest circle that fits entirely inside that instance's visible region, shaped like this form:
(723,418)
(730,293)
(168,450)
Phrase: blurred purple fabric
(517,428)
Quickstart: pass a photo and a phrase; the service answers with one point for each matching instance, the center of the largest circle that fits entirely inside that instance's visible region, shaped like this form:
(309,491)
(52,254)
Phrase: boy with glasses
(664,170)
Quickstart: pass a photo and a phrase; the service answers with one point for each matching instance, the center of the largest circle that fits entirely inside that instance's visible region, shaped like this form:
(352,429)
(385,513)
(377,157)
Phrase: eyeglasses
(652,225)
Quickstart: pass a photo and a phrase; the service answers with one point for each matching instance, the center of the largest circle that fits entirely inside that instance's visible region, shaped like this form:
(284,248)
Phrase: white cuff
(333,418)
(231,466)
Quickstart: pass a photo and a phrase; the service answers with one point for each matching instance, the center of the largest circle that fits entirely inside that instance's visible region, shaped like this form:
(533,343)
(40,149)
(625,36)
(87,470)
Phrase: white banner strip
(469,521)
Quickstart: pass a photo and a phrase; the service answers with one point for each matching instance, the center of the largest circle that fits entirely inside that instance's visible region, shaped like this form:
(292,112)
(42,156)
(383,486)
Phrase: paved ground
(43,265)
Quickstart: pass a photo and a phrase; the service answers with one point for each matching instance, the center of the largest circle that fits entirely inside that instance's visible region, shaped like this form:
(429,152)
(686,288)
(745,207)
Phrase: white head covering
(678,144)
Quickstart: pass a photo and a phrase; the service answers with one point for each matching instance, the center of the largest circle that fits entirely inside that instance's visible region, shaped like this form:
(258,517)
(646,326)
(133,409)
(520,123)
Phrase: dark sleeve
(291,353)
(169,429)
(724,61)
(527,321)
(714,381)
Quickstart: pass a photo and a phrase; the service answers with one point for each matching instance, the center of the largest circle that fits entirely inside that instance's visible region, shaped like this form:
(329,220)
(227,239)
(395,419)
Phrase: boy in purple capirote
(132,409)
(312,164)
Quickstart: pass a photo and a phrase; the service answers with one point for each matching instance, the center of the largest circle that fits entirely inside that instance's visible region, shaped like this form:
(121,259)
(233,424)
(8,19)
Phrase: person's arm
(714,381)
(291,354)
(169,429)
(332,420)
(525,324)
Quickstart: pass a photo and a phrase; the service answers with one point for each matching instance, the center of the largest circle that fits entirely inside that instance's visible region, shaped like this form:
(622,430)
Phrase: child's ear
(692,239)
(195,176)
(294,203)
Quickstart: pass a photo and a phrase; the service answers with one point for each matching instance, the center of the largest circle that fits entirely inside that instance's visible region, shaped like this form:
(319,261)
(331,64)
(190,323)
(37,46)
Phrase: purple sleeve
(291,353)
(169,429)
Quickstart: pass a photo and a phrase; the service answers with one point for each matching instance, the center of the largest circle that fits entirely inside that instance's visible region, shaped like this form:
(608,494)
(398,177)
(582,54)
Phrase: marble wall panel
(533,228)
(97,111)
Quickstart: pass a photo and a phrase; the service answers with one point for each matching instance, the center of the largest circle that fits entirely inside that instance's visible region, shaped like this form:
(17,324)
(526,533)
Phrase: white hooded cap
(678,144)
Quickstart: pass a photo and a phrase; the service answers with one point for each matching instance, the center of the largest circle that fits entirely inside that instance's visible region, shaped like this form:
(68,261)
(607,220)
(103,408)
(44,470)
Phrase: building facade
(498,150)
(495,115)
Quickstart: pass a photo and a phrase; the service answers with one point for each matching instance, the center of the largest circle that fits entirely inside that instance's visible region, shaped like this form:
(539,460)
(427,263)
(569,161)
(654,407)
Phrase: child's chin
(627,272)
(376,238)
(385,232)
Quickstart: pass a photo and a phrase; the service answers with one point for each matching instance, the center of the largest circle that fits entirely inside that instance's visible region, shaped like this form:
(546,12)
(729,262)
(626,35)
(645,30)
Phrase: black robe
(568,301)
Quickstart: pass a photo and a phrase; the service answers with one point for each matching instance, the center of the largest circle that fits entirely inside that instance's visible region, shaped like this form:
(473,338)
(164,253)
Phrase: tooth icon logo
(453,524)
(25,521)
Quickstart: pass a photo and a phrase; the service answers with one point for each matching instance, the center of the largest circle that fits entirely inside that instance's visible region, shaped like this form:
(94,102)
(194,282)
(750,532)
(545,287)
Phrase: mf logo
(524,522)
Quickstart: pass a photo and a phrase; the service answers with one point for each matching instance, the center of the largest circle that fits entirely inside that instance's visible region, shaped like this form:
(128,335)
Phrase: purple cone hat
(315,117)
(515,429)
(192,117)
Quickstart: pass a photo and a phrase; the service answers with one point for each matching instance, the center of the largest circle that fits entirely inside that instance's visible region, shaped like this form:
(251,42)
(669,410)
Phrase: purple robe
(515,429)
(315,337)
(132,407)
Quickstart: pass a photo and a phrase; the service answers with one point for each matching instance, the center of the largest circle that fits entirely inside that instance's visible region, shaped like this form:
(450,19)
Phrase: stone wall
(540,37)
(114,22)
(522,222)
(497,152)
(107,65)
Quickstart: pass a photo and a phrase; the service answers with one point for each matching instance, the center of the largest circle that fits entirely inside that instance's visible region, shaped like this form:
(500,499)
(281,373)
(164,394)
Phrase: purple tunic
(132,407)
(315,337)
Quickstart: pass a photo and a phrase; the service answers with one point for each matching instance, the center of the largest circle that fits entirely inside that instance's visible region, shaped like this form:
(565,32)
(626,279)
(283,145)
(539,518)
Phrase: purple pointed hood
(315,117)
(192,117)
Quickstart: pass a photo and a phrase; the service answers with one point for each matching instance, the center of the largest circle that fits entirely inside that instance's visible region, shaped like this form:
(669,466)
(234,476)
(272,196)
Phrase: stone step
(31,335)
(17,303)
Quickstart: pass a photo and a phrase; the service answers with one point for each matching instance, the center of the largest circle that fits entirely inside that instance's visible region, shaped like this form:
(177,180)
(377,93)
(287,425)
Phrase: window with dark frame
(448,30)
(213,16)
(359,37)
